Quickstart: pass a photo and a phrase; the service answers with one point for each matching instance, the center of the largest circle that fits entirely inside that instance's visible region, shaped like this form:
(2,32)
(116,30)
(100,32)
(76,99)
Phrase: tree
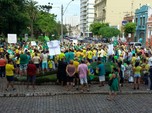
(95,27)
(46,22)
(32,11)
(12,16)
(130,28)
(108,32)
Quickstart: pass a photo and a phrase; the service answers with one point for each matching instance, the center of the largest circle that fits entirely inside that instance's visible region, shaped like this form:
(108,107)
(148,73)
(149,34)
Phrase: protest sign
(110,49)
(54,47)
(12,38)
(33,43)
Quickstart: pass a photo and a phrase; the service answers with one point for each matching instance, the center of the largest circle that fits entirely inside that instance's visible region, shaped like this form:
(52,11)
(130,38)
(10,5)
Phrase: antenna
(132,7)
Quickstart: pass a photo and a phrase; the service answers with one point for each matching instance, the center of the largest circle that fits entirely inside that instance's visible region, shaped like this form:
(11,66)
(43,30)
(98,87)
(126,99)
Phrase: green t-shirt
(23,59)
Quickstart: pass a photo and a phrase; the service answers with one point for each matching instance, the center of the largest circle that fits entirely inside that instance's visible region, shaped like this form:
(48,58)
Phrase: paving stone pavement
(46,90)
(79,103)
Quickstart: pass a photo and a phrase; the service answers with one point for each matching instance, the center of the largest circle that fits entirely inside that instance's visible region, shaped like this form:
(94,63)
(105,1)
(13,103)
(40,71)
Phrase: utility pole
(61,21)
(62,13)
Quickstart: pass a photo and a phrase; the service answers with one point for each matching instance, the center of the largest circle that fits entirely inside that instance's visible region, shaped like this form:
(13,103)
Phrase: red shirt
(2,62)
(31,70)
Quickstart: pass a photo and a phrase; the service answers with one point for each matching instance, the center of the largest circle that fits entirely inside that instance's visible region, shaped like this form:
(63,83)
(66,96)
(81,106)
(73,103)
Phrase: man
(101,73)
(83,72)
(44,62)
(23,63)
(2,66)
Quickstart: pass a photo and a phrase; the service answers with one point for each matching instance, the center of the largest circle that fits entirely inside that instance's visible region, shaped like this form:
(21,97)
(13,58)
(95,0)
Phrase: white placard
(75,41)
(54,47)
(54,43)
(129,35)
(12,38)
(33,43)
(110,49)
(54,51)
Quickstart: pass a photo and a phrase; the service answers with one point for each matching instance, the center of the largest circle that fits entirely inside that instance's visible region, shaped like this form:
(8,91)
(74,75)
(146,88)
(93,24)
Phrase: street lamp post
(62,14)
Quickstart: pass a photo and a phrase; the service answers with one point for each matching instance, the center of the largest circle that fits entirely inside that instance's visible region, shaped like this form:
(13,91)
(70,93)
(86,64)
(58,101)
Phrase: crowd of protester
(77,64)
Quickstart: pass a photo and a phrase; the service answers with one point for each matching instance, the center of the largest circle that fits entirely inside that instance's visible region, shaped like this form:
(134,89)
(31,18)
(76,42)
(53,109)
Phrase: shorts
(83,80)
(10,78)
(137,75)
(31,78)
(23,67)
(70,79)
(44,65)
(102,78)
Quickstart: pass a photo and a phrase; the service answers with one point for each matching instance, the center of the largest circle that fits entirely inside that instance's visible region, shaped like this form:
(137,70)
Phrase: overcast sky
(72,14)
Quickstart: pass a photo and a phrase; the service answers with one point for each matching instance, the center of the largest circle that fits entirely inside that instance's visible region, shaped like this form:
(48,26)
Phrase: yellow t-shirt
(50,64)
(1,50)
(76,64)
(90,54)
(133,60)
(137,69)
(16,51)
(94,53)
(9,70)
(147,67)
(18,61)
(62,55)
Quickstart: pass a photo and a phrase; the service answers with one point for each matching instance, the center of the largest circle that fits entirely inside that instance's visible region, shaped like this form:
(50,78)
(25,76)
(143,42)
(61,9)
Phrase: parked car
(135,44)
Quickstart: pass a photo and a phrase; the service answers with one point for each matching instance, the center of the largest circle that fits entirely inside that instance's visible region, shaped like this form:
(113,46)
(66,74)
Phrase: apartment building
(86,15)
(113,11)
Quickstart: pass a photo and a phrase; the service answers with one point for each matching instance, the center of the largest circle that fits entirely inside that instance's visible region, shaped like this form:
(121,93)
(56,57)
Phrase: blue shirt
(101,69)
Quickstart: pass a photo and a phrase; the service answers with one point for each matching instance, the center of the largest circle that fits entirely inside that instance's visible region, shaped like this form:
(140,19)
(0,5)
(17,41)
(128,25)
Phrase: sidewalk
(51,90)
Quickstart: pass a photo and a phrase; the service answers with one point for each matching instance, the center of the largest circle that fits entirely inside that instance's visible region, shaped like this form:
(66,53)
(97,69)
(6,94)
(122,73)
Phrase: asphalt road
(82,103)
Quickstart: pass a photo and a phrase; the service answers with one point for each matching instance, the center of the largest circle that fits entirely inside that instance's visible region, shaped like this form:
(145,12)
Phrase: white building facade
(86,15)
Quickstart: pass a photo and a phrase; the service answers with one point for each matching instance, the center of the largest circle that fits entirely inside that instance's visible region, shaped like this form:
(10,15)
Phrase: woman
(36,60)
(31,74)
(10,74)
(137,75)
(70,70)
(114,84)
(61,74)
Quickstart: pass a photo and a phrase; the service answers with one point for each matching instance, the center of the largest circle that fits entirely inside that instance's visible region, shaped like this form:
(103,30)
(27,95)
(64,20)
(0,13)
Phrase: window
(140,21)
(144,21)
(137,21)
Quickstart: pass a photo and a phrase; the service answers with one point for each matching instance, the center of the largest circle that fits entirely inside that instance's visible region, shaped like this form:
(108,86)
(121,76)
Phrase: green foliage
(109,32)
(12,16)
(130,28)
(25,16)
(95,27)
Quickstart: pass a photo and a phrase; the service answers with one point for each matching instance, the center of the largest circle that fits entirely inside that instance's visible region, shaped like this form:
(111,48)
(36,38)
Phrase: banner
(12,38)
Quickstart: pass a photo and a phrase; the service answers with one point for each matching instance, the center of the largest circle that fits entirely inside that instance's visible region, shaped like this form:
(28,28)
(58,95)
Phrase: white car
(135,44)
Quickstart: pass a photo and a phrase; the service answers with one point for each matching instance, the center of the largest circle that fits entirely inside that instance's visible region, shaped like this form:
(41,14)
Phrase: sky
(72,14)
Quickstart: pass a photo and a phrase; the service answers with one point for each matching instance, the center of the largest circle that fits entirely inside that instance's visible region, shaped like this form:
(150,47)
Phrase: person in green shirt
(23,63)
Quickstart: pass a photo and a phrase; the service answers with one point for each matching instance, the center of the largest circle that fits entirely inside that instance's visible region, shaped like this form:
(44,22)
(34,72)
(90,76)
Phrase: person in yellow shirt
(61,56)
(90,55)
(137,75)
(133,60)
(76,64)
(9,68)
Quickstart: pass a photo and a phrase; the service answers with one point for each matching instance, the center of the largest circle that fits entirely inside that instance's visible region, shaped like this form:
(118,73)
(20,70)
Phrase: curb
(40,94)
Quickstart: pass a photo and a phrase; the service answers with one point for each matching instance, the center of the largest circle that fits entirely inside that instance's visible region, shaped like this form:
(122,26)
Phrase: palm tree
(32,9)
